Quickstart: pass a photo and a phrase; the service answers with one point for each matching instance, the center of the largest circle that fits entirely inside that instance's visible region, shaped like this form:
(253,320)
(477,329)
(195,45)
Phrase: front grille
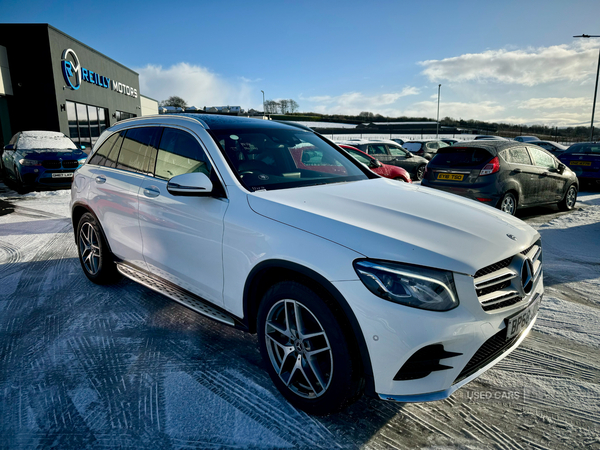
(70,164)
(499,285)
(51,164)
(494,267)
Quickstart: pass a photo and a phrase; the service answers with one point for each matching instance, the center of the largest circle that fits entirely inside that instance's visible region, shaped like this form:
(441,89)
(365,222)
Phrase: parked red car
(384,170)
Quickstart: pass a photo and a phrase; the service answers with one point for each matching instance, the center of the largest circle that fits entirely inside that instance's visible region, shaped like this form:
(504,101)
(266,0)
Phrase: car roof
(222,122)
(492,146)
(367,141)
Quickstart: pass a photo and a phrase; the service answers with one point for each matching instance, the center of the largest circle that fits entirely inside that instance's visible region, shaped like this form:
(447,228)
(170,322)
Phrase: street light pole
(263,92)
(595,89)
(437,130)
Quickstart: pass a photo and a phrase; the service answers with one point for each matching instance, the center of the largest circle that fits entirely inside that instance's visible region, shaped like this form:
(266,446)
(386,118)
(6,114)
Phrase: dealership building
(50,81)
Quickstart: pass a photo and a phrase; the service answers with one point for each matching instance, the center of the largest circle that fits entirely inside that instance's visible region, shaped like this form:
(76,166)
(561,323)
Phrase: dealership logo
(70,69)
(74,75)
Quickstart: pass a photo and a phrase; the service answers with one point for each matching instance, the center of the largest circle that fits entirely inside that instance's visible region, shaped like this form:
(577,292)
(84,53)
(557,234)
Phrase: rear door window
(376,149)
(179,152)
(139,149)
(517,155)
(108,152)
(461,157)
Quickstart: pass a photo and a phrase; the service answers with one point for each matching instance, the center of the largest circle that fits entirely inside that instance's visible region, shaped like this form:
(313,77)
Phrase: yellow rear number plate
(450,176)
(580,163)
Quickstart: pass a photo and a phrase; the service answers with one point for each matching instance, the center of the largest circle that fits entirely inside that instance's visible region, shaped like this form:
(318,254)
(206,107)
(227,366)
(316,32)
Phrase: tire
(420,172)
(508,203)
(570,199)
(308,357)
(400,179)
(95,258)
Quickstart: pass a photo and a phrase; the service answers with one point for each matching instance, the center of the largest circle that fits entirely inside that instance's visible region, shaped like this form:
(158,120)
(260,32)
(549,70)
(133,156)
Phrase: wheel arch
(267,273)
(78,210)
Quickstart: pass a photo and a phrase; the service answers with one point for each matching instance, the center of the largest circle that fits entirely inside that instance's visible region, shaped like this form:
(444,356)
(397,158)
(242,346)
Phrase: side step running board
(175,293)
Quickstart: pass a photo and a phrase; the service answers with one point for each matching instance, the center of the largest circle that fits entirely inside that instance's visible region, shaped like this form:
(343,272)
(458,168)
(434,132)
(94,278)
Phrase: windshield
(412,146)
(584,148)
(268,159)
(460,157)
(44,142)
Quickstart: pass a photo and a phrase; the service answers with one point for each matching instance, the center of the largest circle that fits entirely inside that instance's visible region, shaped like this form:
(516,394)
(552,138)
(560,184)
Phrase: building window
(86,123)
(122,115)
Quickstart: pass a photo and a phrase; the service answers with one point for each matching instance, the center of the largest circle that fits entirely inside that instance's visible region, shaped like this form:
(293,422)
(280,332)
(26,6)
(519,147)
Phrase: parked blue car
(583,159)
(42,158)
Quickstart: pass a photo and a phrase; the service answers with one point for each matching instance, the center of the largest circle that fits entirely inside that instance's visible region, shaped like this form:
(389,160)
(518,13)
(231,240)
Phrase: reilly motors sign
(75,75)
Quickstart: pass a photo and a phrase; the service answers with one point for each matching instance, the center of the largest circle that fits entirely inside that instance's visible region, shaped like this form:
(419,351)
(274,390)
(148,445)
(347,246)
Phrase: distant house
(191,108)
(225,109)
(169,109)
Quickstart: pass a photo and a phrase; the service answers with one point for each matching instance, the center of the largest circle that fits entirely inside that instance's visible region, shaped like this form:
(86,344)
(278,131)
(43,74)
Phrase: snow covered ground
(86,366)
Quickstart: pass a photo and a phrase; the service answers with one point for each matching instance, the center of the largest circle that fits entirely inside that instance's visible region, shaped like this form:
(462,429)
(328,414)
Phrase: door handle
(151,191)
(100,179)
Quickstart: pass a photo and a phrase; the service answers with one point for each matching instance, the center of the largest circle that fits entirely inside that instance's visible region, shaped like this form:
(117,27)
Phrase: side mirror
(9,147)
(82,147)
(190,184)
(561,168)
(409,155)
(374,164)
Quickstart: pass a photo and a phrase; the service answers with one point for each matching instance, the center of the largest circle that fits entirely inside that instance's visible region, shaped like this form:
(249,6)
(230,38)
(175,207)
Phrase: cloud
(459,110)
(574,62)
(197,85)
(555,103)
(356,102)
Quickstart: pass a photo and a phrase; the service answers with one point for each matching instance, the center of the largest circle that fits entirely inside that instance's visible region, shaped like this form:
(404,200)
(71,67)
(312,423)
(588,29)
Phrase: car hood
(42,154)
(384,219)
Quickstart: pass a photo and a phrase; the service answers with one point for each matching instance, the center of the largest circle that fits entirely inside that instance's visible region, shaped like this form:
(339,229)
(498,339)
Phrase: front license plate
(519,322)
(62,175)
(580,163)
(450,176)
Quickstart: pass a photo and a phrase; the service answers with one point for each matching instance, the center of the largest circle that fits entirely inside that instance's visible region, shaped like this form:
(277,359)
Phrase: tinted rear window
(460,157)
(584,148)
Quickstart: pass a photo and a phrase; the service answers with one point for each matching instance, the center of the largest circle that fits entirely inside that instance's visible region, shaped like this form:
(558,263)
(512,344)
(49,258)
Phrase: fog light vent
(423,362)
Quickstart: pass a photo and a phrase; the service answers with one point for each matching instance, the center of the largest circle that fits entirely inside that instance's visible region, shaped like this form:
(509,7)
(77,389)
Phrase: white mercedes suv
(354,283)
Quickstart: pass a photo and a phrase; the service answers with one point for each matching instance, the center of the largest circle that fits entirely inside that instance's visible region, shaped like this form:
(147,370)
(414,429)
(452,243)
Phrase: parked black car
(427,148)
(505,174)
(553,147)
(583,159)
(388,152)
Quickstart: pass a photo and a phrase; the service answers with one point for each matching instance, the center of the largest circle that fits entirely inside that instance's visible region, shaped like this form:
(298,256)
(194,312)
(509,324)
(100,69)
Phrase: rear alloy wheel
(306,352)
(420,172)
(568,202)
(508,204)
(94,256)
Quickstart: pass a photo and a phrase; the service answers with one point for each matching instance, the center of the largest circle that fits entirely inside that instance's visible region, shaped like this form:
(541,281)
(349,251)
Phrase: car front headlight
(29,162)
(82,160)
(414,286)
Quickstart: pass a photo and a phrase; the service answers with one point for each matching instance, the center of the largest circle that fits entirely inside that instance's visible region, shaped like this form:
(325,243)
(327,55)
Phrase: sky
(509,61)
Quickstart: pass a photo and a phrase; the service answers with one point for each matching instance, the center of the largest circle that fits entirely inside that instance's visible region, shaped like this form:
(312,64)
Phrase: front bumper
(41,176)
(394,333)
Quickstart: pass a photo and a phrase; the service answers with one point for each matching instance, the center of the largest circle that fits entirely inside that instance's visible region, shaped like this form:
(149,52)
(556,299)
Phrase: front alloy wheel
(299,349)
(311,360)
(568,202)
(420,172)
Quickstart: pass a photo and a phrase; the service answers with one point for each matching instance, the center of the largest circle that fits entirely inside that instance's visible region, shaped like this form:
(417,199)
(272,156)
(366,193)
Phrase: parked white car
(353,283)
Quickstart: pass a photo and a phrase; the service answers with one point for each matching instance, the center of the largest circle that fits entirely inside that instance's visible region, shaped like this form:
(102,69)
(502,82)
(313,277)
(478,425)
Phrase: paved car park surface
(120,366)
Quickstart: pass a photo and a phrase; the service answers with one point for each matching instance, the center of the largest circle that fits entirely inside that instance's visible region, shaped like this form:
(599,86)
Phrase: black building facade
(61,84)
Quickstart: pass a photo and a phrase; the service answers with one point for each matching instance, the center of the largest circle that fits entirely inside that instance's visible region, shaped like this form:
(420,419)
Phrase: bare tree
(271,107)
(174,100)
(293,105)
(283,106)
